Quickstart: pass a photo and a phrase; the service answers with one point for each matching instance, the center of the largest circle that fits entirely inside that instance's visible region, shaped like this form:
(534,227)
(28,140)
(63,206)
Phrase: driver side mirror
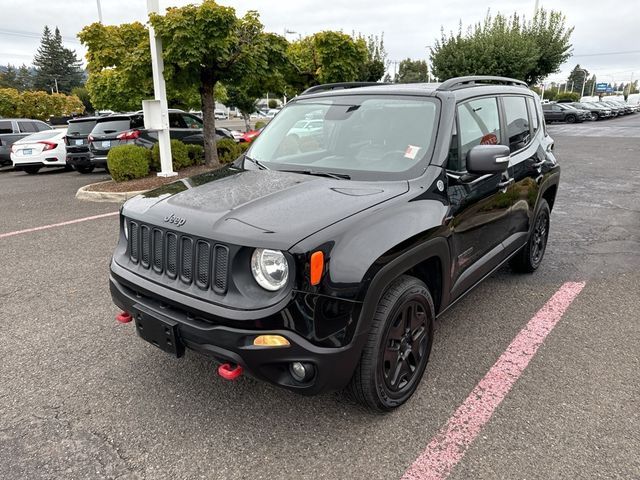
(484,159)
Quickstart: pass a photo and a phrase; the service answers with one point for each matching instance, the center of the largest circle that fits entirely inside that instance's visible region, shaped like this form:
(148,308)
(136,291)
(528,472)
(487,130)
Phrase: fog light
(270,341)
(301,372)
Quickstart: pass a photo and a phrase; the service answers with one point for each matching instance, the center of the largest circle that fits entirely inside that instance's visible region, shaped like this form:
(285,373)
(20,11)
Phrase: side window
(41,126)
(6,126)
(27,127)
(533,114)
(518,129)
(478,124)
(192,122)
(176,121)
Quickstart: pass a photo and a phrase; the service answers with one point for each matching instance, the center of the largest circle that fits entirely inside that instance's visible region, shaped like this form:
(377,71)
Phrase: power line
(628,52)
(25,34)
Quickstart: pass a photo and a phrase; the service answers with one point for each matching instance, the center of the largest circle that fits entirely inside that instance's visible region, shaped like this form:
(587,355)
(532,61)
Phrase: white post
(160,94)
(542,94)
(99,11)
(584,82)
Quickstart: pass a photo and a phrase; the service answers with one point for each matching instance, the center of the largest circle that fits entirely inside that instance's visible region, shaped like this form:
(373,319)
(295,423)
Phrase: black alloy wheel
(529,258)
(571,119)
(397,348)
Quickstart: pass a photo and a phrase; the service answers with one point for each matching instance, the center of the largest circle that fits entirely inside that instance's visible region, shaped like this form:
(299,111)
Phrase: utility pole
(160,94)
(99,11)
(584,81)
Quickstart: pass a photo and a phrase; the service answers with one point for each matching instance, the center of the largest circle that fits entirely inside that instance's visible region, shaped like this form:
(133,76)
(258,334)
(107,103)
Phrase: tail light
(130,135)
(48,145)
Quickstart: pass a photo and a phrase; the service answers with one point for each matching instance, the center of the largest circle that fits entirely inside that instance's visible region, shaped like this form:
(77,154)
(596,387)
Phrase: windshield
(362,136)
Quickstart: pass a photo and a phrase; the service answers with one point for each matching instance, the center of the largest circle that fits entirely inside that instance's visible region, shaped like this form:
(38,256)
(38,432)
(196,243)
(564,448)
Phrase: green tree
(9,78)
(9,102)
(375,66)
(504,46)
(412,71)
(206,44)
(577,78)
(83,95)
(327,57)
(57,68)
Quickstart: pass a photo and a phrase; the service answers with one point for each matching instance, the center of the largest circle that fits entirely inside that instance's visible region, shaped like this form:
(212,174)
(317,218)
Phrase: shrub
(272,103)
(196,154)
(127,162)
(179,154)
(260,124)
(228,150)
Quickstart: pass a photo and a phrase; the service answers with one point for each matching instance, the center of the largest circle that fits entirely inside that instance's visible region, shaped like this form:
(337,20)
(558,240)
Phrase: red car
(250,135)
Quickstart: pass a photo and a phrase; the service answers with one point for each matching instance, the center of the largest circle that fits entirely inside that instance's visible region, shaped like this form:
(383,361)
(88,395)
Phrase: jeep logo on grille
(175,220)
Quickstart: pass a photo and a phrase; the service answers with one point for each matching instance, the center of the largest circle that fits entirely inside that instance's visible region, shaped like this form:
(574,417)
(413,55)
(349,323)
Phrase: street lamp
(584,81)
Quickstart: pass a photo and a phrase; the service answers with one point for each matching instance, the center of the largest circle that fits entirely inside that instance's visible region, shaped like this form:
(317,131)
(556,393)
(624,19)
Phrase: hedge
(179,154)
(127,162)
(228,150)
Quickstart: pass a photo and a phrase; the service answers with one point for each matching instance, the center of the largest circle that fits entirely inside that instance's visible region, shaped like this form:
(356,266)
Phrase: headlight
(126,228)
(269,268)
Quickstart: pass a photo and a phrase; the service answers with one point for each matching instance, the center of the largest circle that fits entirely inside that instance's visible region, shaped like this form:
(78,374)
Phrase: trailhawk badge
(175,220)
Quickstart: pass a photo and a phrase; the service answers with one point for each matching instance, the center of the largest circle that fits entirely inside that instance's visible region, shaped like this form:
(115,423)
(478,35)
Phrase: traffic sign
(601,87)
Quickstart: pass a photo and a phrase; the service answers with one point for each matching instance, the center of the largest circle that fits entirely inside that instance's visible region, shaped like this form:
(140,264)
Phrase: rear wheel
(570,119)
(594,116)
(398,346)
(85,169)
(529,258)
(32,170)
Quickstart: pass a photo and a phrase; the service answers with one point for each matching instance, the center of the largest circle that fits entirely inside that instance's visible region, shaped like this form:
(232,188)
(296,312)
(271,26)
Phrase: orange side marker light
(317,267)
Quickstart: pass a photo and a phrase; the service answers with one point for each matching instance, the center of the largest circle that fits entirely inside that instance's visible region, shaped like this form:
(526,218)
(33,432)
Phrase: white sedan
(42,149)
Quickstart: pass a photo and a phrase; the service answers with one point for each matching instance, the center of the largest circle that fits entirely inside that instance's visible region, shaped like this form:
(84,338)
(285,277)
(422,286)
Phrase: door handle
(505,184)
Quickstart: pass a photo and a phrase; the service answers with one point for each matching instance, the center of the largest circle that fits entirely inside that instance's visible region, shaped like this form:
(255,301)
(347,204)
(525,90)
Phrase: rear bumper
(99,162)
(79,159)
(333,367)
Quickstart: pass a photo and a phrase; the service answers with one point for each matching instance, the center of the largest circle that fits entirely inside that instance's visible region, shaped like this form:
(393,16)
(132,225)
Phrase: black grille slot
(133,242)
(186,250)
(221,261)
(203,264)
(172,255)
(158,260)
(145,236)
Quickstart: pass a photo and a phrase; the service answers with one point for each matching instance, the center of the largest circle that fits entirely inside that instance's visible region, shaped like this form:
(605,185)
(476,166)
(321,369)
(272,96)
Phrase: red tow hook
(229,372)
(124,317)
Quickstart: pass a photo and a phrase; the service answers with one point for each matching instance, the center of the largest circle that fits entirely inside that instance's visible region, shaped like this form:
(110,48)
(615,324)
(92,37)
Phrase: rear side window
(517,117)
(41,126)
(6,127)
(533,114)
(112,126)
(192,122)
(478,124)
(81,128)
(176,121)
(27,127)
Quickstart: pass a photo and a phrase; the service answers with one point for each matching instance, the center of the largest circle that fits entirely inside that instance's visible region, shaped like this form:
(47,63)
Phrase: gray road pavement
(82,397)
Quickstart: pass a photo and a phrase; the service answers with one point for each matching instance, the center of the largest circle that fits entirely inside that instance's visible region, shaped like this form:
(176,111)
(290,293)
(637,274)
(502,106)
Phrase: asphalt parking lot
(81,397)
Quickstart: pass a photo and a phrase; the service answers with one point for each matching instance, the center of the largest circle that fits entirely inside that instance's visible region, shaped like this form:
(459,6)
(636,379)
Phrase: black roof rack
(340,86)
(476,80)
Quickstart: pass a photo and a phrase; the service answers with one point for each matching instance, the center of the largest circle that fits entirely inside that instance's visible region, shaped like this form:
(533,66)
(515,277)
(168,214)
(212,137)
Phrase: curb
(114,197)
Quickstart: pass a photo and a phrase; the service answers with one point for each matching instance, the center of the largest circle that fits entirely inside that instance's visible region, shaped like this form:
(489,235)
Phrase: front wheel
(398,346)
(571,119)
(529,258)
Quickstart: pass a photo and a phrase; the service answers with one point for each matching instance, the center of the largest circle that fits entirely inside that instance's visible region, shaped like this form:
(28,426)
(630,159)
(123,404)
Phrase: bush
(127,162)
(573,96)
(272,103)
(196,154)
(260,124)
(228,150)
(179,154)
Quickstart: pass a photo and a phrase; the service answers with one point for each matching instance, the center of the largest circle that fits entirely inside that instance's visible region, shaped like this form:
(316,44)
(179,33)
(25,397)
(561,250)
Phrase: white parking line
(53,225)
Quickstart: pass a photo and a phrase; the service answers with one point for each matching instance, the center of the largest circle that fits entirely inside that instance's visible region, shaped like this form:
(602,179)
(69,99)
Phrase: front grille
(174,255)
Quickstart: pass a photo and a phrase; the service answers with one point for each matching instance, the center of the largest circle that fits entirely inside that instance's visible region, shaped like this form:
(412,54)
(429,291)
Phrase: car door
(177,126)
(480,206)
(194,126)
(528,154)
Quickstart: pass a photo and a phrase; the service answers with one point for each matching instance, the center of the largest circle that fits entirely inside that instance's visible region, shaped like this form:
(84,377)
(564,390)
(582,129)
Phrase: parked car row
(575,112)
(85,143)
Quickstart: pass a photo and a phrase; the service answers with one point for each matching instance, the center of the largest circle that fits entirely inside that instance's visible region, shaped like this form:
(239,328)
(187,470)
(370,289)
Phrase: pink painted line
(54,225)
(449,445)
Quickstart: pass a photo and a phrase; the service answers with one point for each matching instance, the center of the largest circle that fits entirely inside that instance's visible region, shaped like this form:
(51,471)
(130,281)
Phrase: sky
(606,39)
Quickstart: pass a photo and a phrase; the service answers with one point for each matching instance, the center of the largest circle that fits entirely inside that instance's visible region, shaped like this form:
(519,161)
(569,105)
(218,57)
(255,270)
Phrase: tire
(31,170)
(529,258)
(396,352)
(85,169)
(594,117)
(570,119)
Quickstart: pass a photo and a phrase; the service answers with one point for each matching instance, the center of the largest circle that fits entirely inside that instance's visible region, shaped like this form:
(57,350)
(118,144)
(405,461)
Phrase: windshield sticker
(411,152)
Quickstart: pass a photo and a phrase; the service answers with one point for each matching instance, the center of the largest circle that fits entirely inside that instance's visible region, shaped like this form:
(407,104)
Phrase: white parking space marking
(54,225)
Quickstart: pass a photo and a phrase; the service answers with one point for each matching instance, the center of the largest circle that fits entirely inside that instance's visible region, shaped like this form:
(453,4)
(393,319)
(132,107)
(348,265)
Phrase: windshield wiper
(260,165)
(337,176)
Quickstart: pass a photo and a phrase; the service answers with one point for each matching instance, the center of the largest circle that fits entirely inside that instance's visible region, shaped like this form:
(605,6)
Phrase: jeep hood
(257,208)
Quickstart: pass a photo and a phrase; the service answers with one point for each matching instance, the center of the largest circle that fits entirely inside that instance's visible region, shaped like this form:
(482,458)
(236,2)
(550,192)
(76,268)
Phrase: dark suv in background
(78,155)
(121,129)
(14,129)
(561,112)
(321,262)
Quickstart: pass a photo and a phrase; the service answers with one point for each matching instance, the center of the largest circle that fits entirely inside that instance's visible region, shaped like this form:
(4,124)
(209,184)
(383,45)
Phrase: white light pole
(99,11)
(160,94)
(584,81)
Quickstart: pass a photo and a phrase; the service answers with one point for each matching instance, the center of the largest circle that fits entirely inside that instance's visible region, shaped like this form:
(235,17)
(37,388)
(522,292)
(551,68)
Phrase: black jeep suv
(321,262)
(76,140)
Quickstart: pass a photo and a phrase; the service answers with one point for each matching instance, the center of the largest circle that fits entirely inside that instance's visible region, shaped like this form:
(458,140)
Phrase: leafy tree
(206,44)
(573,96)
(9,102)
(375,66)
(577,78)
(327,57)
(9,78)
(505,46)
(55,63)
(83,94)
(412,71)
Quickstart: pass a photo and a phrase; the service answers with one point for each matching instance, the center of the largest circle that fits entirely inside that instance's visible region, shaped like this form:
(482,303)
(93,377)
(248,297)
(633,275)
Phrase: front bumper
(333,367)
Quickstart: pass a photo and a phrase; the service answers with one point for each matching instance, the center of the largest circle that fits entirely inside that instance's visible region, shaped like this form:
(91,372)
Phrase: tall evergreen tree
(9,78)
(56,64)
(577,77)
